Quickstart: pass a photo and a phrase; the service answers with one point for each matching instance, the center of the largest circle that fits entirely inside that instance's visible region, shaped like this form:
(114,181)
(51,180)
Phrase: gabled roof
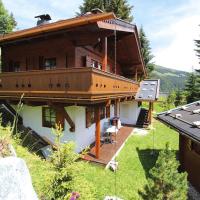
(184,119)
(56,26)
(148,91)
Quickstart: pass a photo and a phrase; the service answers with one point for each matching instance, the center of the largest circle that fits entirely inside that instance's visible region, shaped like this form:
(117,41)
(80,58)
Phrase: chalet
(186,120)
(78,72)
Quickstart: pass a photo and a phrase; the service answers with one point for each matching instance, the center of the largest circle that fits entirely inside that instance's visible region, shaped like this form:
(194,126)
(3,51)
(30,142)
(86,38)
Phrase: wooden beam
(97,132)
(108,102)
(66,116)
(105,58)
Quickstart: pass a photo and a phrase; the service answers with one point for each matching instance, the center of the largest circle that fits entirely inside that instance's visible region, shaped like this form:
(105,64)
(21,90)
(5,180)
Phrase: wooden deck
(109,151)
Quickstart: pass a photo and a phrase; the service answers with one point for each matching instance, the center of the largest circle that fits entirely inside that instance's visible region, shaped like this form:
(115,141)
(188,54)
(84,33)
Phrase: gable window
(48,117)
(195,147)
(50,63)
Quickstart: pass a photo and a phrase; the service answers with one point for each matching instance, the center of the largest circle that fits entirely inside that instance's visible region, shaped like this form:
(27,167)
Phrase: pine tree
(146,51)
(165,182)
(191,88)
(180,98)
(121,8)
(7,21)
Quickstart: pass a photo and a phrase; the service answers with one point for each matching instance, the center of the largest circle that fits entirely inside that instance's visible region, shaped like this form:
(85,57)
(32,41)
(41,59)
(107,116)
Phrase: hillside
(170,79)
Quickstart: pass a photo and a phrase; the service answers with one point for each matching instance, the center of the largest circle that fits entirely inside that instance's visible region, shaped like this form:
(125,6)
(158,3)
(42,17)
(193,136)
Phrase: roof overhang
(184,124)
(56,26)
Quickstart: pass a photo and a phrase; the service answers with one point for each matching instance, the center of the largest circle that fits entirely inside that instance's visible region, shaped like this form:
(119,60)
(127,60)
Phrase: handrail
(69,70)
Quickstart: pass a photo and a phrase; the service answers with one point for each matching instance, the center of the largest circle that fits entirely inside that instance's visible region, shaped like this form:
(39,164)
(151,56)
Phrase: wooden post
(150,112)
(98,132)
(105,58)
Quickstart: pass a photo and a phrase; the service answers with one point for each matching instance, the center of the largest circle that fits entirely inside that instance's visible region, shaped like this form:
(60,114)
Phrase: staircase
(143,118)
(29,138)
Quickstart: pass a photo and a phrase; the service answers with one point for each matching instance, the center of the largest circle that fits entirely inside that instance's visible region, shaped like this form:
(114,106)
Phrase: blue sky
(171,25)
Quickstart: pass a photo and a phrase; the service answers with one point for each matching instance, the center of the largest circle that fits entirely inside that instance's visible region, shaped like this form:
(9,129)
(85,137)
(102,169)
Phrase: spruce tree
(7,21)
(146,51)
(180,98)
(191,88)
(165,182)
(121,8)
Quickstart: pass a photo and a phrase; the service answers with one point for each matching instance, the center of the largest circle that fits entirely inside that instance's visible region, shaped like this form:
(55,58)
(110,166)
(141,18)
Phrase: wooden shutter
(88,117)
(60,120)
(107,111)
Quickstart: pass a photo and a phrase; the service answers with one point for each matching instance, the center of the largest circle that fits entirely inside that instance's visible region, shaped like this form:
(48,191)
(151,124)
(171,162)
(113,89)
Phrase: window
(102,113)
(96,64)
(90,116)
(195,147)
(48,117)
(16,66)
(108,112)
(50,63)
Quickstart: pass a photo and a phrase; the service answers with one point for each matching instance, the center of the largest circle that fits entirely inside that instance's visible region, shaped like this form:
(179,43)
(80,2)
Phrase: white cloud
(180,33)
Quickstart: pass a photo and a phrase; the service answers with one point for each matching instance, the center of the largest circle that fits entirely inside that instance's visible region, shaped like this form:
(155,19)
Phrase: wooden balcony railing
(73,83)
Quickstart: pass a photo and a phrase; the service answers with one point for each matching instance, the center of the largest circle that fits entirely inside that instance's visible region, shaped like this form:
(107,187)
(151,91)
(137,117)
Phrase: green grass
(135,161)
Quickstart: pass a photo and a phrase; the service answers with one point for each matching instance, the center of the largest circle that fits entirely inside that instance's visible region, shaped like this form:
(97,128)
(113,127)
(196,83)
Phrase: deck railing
(88,83)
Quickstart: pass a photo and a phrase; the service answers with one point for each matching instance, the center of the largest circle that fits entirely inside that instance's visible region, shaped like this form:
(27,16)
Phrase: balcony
(65,85)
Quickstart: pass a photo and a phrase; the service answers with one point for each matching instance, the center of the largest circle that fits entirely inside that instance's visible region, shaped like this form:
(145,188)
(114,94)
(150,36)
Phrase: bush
(68,168)
(165,182)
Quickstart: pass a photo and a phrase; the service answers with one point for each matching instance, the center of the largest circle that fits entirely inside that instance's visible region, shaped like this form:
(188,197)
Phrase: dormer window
(50,63)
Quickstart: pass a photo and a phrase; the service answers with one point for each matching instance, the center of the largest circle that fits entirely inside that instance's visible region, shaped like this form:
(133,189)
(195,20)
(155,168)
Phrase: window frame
(51,123)
(50,67)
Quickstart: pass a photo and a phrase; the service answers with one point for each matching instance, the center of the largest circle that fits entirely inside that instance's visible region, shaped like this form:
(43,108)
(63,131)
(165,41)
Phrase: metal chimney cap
(46,17)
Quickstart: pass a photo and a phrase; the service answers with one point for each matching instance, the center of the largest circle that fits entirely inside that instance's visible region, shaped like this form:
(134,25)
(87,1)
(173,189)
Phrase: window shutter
(60,120)
(108,112)
(88,117)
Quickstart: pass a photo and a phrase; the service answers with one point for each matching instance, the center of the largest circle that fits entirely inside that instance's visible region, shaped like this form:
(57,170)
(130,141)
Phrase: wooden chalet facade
(78,72)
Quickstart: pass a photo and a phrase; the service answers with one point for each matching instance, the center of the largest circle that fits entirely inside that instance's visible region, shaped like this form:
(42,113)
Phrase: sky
(170,25)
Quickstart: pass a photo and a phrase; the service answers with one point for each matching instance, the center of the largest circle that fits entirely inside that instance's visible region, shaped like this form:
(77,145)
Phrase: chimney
(43,19)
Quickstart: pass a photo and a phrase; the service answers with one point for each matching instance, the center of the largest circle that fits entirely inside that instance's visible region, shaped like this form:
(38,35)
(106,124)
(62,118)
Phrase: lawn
(135,160)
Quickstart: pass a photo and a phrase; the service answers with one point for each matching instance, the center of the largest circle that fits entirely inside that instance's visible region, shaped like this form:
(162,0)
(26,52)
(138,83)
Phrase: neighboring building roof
(185,119)
(148,91)
(56,26)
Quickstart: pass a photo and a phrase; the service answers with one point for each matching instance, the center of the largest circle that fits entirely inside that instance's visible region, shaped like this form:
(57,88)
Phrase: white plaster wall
(83,137)
(129,112)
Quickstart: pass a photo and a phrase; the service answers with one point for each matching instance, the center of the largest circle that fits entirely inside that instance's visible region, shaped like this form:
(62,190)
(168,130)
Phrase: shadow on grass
(148,158)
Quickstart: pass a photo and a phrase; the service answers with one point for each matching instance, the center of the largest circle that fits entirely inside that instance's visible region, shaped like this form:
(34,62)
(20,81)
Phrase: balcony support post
(105,58)
(98,131)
